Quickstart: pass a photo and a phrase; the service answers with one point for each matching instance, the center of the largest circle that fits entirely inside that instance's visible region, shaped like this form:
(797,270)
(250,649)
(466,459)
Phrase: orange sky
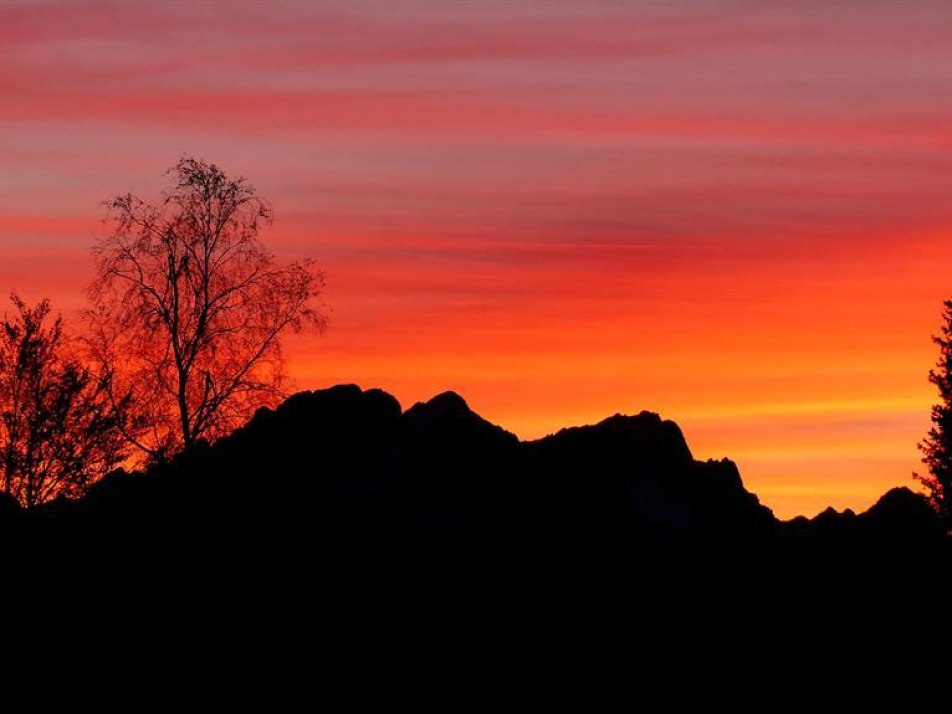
(734,214)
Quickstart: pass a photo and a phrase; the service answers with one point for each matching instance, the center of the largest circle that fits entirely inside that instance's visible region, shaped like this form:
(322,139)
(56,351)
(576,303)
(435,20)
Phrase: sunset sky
(736,214)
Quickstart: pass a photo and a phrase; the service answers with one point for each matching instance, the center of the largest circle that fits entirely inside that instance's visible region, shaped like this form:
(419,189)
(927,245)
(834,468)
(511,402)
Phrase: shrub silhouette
(58,429)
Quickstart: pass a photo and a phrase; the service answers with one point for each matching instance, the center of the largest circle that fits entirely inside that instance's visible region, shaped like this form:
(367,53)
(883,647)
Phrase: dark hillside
(339,517)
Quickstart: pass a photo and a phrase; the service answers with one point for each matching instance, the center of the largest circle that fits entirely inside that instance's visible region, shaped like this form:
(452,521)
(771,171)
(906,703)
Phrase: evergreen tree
(937,446)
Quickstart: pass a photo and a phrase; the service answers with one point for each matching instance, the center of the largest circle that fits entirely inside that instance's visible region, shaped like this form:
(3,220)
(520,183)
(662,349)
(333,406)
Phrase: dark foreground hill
(349,461)
(342,520)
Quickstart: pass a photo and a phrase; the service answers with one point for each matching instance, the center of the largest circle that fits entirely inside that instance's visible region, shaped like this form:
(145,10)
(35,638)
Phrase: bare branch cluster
(188,308)
(182,340)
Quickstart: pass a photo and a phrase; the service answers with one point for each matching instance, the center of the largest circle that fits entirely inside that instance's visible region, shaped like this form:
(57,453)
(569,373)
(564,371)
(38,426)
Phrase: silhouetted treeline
(182,339)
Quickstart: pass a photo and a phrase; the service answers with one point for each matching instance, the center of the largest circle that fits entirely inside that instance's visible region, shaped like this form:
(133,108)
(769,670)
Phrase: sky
(737,214)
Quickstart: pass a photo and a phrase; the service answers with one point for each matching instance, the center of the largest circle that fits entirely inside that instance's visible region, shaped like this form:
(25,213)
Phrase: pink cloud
(565,209)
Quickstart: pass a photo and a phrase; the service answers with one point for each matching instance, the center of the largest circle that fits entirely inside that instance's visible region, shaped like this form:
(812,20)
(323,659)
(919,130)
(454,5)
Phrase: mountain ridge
(340,519)
(439,461)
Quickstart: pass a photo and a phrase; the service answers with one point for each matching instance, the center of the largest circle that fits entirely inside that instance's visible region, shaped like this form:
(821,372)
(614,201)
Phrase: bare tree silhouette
(188,308)
(58,429)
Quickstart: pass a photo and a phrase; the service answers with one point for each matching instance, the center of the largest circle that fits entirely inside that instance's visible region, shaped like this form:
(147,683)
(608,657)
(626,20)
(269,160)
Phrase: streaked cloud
(733,212)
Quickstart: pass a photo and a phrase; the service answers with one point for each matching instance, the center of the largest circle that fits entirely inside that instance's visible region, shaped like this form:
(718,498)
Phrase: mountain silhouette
(348,458)
(340,515)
